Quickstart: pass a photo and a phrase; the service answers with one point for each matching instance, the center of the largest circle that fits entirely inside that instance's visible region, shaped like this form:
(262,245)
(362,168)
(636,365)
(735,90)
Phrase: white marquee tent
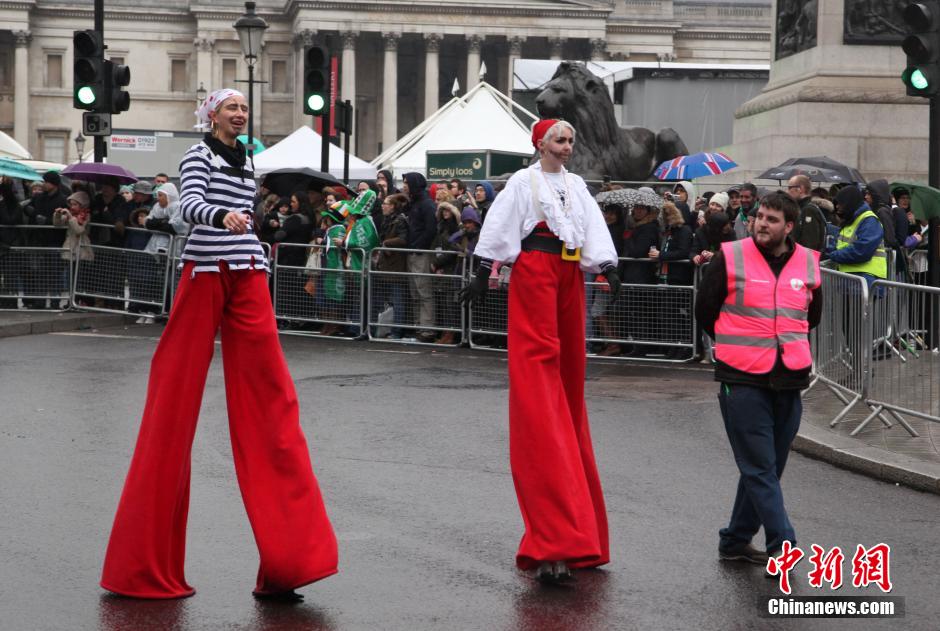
(301,150)
(484,118)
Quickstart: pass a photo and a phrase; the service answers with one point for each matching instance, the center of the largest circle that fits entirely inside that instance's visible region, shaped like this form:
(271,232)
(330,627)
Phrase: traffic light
(118,77)
(88,71)
(317,81)
(922,47)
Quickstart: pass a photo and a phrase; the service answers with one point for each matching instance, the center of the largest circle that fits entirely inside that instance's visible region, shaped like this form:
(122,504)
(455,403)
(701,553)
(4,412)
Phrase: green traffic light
(316,102)
(919,80)
(86,95)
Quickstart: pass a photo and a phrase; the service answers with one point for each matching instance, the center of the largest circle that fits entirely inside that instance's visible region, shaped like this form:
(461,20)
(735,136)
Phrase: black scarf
(236,156)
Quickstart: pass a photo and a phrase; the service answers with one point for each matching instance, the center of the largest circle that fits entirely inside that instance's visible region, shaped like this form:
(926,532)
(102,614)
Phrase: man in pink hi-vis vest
(758,299)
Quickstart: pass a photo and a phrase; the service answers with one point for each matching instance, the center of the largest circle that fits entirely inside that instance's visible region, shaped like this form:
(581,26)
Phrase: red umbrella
(99,172)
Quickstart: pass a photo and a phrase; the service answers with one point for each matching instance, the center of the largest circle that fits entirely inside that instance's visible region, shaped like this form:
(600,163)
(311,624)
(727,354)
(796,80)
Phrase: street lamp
(250,29)
(201,94)
(79,145)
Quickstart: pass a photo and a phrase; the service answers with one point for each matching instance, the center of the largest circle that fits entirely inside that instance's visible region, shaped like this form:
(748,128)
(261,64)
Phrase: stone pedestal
(844,101)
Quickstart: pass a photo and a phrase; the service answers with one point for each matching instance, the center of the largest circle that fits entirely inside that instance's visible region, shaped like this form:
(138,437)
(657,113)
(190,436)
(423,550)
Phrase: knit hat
(52,177)
(721,199)
(540,128)
(81,197)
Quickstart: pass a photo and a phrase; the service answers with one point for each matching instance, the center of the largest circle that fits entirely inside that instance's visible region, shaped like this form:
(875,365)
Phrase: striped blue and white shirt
(209,186)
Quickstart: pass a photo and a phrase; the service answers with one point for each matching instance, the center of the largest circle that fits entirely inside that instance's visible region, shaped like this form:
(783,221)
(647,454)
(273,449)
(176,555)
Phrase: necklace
(563,197)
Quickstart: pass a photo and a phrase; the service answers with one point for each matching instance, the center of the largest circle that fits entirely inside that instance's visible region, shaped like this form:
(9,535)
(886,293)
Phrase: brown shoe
(611,350)
(447,338)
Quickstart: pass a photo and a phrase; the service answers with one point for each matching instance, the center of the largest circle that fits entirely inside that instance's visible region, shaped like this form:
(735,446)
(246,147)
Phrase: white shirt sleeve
(598,246)
(503,231)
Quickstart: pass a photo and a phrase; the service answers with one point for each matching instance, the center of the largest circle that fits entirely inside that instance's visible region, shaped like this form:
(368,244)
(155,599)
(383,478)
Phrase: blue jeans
(761,424)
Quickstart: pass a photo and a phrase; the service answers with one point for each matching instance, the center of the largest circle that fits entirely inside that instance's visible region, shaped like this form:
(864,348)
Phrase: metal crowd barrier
(36,273)
(312,299)
(123,280)
(647,322)
(421,302)
(905,367)
(840,343)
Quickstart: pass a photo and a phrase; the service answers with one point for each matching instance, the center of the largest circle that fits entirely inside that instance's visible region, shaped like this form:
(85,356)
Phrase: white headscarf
(211,104)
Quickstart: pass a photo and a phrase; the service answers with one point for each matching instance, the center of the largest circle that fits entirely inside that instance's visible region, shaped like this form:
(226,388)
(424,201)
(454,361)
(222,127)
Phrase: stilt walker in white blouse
(223,286)
(547,224)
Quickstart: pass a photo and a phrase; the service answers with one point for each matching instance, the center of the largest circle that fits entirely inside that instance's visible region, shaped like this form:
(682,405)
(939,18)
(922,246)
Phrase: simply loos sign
(473,165)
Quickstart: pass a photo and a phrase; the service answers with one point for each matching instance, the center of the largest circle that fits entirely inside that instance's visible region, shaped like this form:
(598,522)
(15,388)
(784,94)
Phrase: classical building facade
(397,60)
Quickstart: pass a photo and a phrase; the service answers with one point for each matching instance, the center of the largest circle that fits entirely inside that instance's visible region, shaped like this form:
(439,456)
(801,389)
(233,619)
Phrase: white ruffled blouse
(512,217)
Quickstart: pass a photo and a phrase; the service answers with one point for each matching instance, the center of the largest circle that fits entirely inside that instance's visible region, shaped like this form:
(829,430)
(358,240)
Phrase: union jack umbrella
(695,165)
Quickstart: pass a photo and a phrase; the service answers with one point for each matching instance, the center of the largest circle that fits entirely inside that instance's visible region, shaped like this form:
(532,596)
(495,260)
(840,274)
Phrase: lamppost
(250,29)
(201,94)
(79,145)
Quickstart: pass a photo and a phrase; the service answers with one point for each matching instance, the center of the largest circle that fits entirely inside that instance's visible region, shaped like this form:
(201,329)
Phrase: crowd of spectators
(662,238)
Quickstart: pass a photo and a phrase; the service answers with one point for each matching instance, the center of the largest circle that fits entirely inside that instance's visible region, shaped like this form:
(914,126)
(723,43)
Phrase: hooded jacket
(868,235)
(490,193)
(422,223)
(881,204)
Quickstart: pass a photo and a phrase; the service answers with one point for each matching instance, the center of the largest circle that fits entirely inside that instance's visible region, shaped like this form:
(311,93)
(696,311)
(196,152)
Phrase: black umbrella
(817,168)
(283,182)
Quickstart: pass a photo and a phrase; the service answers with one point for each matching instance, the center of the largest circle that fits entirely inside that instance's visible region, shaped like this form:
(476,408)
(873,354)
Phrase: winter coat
(76,241)
(674,255)
(39,213)
(167,221)
(108,212)
(701,242)
(636,245)
(393,234)
(422,224)
(686,207)
(136,238)
(11,214)
(297,228)
(810,228)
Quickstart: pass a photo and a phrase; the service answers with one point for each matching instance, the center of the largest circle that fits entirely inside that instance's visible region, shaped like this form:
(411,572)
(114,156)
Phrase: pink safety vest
(764,312)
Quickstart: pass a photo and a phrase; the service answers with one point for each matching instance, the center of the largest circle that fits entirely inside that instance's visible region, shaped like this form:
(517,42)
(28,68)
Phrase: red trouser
(550,448)
(294,536)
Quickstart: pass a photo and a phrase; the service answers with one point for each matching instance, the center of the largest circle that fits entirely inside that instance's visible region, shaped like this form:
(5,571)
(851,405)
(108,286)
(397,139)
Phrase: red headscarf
(540,129)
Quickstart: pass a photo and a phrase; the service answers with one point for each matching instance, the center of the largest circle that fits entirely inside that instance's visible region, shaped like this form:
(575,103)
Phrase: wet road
(411,452)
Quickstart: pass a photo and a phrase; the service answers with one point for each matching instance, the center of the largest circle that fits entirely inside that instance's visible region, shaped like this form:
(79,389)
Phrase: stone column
(432,47)
(301,40)
(204,46)
(390,92)
(21,87)
(515,52)
(556,44)
(598,49)
(347,90)
(474,56)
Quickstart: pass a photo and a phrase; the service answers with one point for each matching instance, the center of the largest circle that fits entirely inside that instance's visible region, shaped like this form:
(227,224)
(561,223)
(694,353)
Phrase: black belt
(542,243)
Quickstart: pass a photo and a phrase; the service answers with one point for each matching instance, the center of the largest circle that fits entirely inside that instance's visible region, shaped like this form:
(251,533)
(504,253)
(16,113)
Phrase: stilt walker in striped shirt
(224,285)
(547,224)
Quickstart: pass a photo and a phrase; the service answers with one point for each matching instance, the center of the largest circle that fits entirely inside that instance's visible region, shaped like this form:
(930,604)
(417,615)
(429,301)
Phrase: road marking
(110,336)
(381,350)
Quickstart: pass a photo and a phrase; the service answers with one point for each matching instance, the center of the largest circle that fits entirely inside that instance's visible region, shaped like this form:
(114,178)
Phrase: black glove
(159,225)
(613,280)
(475,292)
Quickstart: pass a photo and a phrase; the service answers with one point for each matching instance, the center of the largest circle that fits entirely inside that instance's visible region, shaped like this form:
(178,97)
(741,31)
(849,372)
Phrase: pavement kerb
(854,455)
(19,323)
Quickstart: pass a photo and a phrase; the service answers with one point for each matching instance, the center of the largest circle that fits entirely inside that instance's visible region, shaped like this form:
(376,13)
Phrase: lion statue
(604,148)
